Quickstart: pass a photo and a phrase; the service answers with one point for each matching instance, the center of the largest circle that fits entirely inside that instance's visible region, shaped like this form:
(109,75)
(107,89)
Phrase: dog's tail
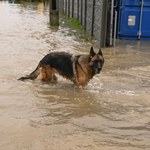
(33,75)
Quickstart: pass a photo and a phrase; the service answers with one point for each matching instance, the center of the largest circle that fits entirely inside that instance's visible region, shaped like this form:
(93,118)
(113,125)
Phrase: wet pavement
(111,113)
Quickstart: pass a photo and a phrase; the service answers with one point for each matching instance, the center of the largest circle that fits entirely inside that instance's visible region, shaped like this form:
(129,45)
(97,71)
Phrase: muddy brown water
(111,113)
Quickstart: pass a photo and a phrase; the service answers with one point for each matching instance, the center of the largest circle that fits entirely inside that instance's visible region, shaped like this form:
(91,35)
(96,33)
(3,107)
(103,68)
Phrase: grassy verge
(75,28)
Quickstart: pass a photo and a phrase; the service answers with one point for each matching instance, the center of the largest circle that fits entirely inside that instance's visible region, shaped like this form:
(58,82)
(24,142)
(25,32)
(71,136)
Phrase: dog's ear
(100,52)
(92,53)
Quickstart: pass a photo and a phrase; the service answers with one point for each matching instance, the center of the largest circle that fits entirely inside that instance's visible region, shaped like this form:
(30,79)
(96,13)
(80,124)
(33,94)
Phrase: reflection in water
(111,112)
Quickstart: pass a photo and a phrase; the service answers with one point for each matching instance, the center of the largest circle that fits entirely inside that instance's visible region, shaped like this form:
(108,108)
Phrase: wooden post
(53,13)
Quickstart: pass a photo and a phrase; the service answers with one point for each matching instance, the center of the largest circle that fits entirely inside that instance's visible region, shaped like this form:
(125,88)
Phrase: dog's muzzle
(97,71)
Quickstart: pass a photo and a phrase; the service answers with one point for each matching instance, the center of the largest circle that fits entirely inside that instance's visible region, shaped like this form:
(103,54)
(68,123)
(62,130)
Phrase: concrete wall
(90,14)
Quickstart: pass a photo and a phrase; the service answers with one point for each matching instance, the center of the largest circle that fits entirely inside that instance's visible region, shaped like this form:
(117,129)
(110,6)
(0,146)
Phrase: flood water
(111,113)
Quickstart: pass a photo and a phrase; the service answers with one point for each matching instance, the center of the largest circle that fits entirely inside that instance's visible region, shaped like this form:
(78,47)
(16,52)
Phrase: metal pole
(72,8)
(78,9)
(141,17)
(65,7)
(81,10)
(93,18)
(68,8)
(85,14)
(104,24)
(111,21)
(115,28)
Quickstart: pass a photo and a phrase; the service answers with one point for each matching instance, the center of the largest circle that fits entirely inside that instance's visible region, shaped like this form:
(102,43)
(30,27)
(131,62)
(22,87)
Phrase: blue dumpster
(134,19)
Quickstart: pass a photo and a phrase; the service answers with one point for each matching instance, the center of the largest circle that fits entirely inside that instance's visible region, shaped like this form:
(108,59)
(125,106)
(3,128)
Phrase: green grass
(75,28)
(74,24)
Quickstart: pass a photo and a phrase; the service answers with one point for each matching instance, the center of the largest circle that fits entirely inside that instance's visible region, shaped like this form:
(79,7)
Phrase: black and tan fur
(79,68)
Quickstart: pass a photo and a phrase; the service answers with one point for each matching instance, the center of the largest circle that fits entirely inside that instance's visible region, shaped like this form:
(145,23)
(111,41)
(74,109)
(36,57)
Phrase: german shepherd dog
(77,68)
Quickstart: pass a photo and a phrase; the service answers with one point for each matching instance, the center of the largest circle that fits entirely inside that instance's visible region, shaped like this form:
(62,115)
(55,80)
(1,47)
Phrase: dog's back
(61,61)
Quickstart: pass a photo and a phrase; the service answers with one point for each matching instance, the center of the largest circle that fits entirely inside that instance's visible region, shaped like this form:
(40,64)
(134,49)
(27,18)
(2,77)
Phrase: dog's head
(96,61)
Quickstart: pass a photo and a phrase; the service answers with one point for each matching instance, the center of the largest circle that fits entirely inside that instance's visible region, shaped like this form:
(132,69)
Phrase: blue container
(134,19)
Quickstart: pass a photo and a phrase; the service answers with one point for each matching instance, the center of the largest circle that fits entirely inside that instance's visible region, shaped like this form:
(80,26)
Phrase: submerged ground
(111,113)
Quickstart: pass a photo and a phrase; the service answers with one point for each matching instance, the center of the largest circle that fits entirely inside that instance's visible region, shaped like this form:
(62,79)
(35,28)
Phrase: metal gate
(134,19)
